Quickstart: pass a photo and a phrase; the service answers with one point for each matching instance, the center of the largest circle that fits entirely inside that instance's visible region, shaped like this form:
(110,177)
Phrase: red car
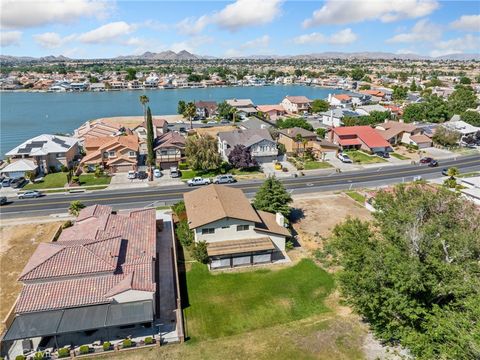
(426,160)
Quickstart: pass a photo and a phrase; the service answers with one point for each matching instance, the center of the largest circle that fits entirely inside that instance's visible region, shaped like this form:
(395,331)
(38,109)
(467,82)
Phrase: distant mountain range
(185,55)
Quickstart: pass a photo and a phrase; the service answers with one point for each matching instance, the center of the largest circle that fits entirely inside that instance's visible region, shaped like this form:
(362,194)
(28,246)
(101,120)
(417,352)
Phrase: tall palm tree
(190,111)
(298,140)
(234,111)
(144,101)
(75,207)
(452,172)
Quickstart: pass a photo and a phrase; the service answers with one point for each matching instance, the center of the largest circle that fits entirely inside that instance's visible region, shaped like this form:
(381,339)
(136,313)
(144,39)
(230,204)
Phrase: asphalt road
(158,196)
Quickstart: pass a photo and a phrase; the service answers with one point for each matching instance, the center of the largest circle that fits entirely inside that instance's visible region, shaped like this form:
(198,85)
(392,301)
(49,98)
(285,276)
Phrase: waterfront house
(396,132)
(206,109)
(236,234)
(296,104)
(340,100)
(170,149)
(96,129)
(47,152)
(359,138)
(259,141)
(93,281)
(160,127)
(244,107)
(298,140)
(272,112)
(114,153)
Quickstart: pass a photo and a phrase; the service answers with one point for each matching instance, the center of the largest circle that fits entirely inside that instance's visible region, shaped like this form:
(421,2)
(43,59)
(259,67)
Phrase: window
(208,231)
(132,154)
(226,227)
(105,154)
(163,152)
(111,153)
(242,227)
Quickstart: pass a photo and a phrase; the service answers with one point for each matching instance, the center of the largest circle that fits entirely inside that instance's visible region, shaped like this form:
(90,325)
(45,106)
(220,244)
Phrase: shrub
(106,346)
(39,355)
(179,208)
(289,245)
(30,175)
(84,349)
(127,343)
(183,166)
(199,252)
(20,357)
(450,183)
(184,234)
(63,352)
(63,168)
(148,340)
(76,179)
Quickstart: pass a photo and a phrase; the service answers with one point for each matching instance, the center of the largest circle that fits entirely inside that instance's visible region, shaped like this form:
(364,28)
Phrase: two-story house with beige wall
(235,232)
(296,104)
(169,149)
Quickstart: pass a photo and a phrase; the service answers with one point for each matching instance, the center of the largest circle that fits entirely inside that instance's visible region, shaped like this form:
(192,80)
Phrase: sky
(105,29)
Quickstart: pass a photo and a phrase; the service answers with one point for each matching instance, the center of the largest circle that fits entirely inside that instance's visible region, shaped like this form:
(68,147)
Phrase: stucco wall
(229,232)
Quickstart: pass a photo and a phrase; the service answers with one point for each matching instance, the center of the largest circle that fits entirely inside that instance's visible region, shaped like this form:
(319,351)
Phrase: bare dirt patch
(17,244)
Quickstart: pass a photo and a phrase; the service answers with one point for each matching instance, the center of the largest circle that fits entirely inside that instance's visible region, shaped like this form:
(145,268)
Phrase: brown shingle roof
(170,139)
(239,246)
(293,132)
(269,224)
(299,99)
(215,202)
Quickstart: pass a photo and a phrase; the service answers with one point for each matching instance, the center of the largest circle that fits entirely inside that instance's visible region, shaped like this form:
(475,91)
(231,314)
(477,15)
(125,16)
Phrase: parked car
(18,183)
(344,158)
(445,172)
(30,194)
(224,179)
(142,175)
(198,181)
(383,154)
(433,163)
(426,160)
(132,175)
(174,172)
(6,182)
(417,178)
(3,200)
(157,173)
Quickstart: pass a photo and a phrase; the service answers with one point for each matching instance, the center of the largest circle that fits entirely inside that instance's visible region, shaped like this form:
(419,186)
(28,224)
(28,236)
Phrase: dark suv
(18,183)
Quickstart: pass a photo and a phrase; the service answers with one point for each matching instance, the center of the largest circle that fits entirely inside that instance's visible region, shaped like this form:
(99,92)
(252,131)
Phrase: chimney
(280,219)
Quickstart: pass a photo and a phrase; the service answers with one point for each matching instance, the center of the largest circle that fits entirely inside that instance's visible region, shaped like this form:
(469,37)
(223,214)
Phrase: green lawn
(225,304)
(399,156)
(314,165)
(356,196)
(359,157)
(90,179)
(55,180)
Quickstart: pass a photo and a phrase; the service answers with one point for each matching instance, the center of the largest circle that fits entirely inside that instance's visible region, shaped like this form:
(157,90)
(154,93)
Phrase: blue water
(25,114)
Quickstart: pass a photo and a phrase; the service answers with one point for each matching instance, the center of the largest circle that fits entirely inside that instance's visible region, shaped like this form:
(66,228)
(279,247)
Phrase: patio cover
(56,322)
(229,247)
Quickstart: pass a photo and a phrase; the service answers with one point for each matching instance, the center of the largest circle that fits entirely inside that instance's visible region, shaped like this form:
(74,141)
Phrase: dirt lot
(17,244)
(319,216)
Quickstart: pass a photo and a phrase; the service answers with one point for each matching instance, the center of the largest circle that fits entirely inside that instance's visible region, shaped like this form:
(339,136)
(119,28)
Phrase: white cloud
(345,12)
(192,26)
(261,42)
(17,14)
(467,23)
(52,40)
(106,33)
(459,45)
(422,31)
(9,38)
(342,37)
(192,44)
(244,13)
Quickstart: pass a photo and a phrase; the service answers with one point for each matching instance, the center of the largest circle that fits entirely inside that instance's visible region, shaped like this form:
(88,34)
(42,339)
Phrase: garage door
(122,168)
(167,165)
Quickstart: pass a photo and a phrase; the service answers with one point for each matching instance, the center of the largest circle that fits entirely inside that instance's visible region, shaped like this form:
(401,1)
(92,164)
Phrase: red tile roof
(342,97)
(366,134)
(299,99)
(103,254)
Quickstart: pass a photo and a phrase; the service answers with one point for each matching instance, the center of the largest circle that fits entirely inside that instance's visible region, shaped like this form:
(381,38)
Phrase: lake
(28,114)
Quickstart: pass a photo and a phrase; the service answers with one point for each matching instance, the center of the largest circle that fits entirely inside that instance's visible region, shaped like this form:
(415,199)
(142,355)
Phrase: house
(206,109)
(359,137)
(244,107)
(365,110)
(254,123)
(95,129)
(335,117)
(461,126)
(160,127)
(117,154)
(375,95)
(47,152)
(399,132)
(97,278)
(272,112)
(259,141)
(340,100)
(290,138)
(19,168)
(236,234)
(170,149)
(296,104)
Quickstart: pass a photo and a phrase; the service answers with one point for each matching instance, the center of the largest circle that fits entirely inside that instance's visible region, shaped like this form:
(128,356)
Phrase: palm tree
(452,172)
(234,111)
(144,101)
(190,111)
(75,207)
(304,143)
(298,140)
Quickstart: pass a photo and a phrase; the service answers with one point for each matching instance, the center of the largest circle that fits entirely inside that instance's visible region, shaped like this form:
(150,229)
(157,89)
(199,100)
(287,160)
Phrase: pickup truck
(198,181)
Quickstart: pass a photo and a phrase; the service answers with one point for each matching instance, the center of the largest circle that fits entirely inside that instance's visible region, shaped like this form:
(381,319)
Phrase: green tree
(150,140)
(298,140)
(399,93)
(144,101)
(471,117)
(446,137)
(225,110)
(321,132)
(75,207)
(190,112)
(294,122)
(181,107)
(298,72)
(357,74)
(131,72)
(199,252)
(319,105)
(273,197)
(413,86)
(184,233)
(452,172)
(465,80)
(202,152)
(461,99)
(412,273)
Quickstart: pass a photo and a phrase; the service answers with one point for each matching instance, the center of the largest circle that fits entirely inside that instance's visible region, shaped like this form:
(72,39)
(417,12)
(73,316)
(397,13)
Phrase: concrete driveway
(269,169)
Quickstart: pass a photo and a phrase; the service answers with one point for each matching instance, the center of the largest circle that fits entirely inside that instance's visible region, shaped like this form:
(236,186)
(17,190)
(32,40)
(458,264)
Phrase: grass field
(230,303)
(55,180)
(356,196)
(314,165)
(359,157)
(90,179)
(399,156)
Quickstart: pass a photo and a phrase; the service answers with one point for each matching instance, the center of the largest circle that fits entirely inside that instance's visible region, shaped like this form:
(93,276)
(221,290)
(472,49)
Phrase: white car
(198,181)
(344,158)
(132,175)
(157,173)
